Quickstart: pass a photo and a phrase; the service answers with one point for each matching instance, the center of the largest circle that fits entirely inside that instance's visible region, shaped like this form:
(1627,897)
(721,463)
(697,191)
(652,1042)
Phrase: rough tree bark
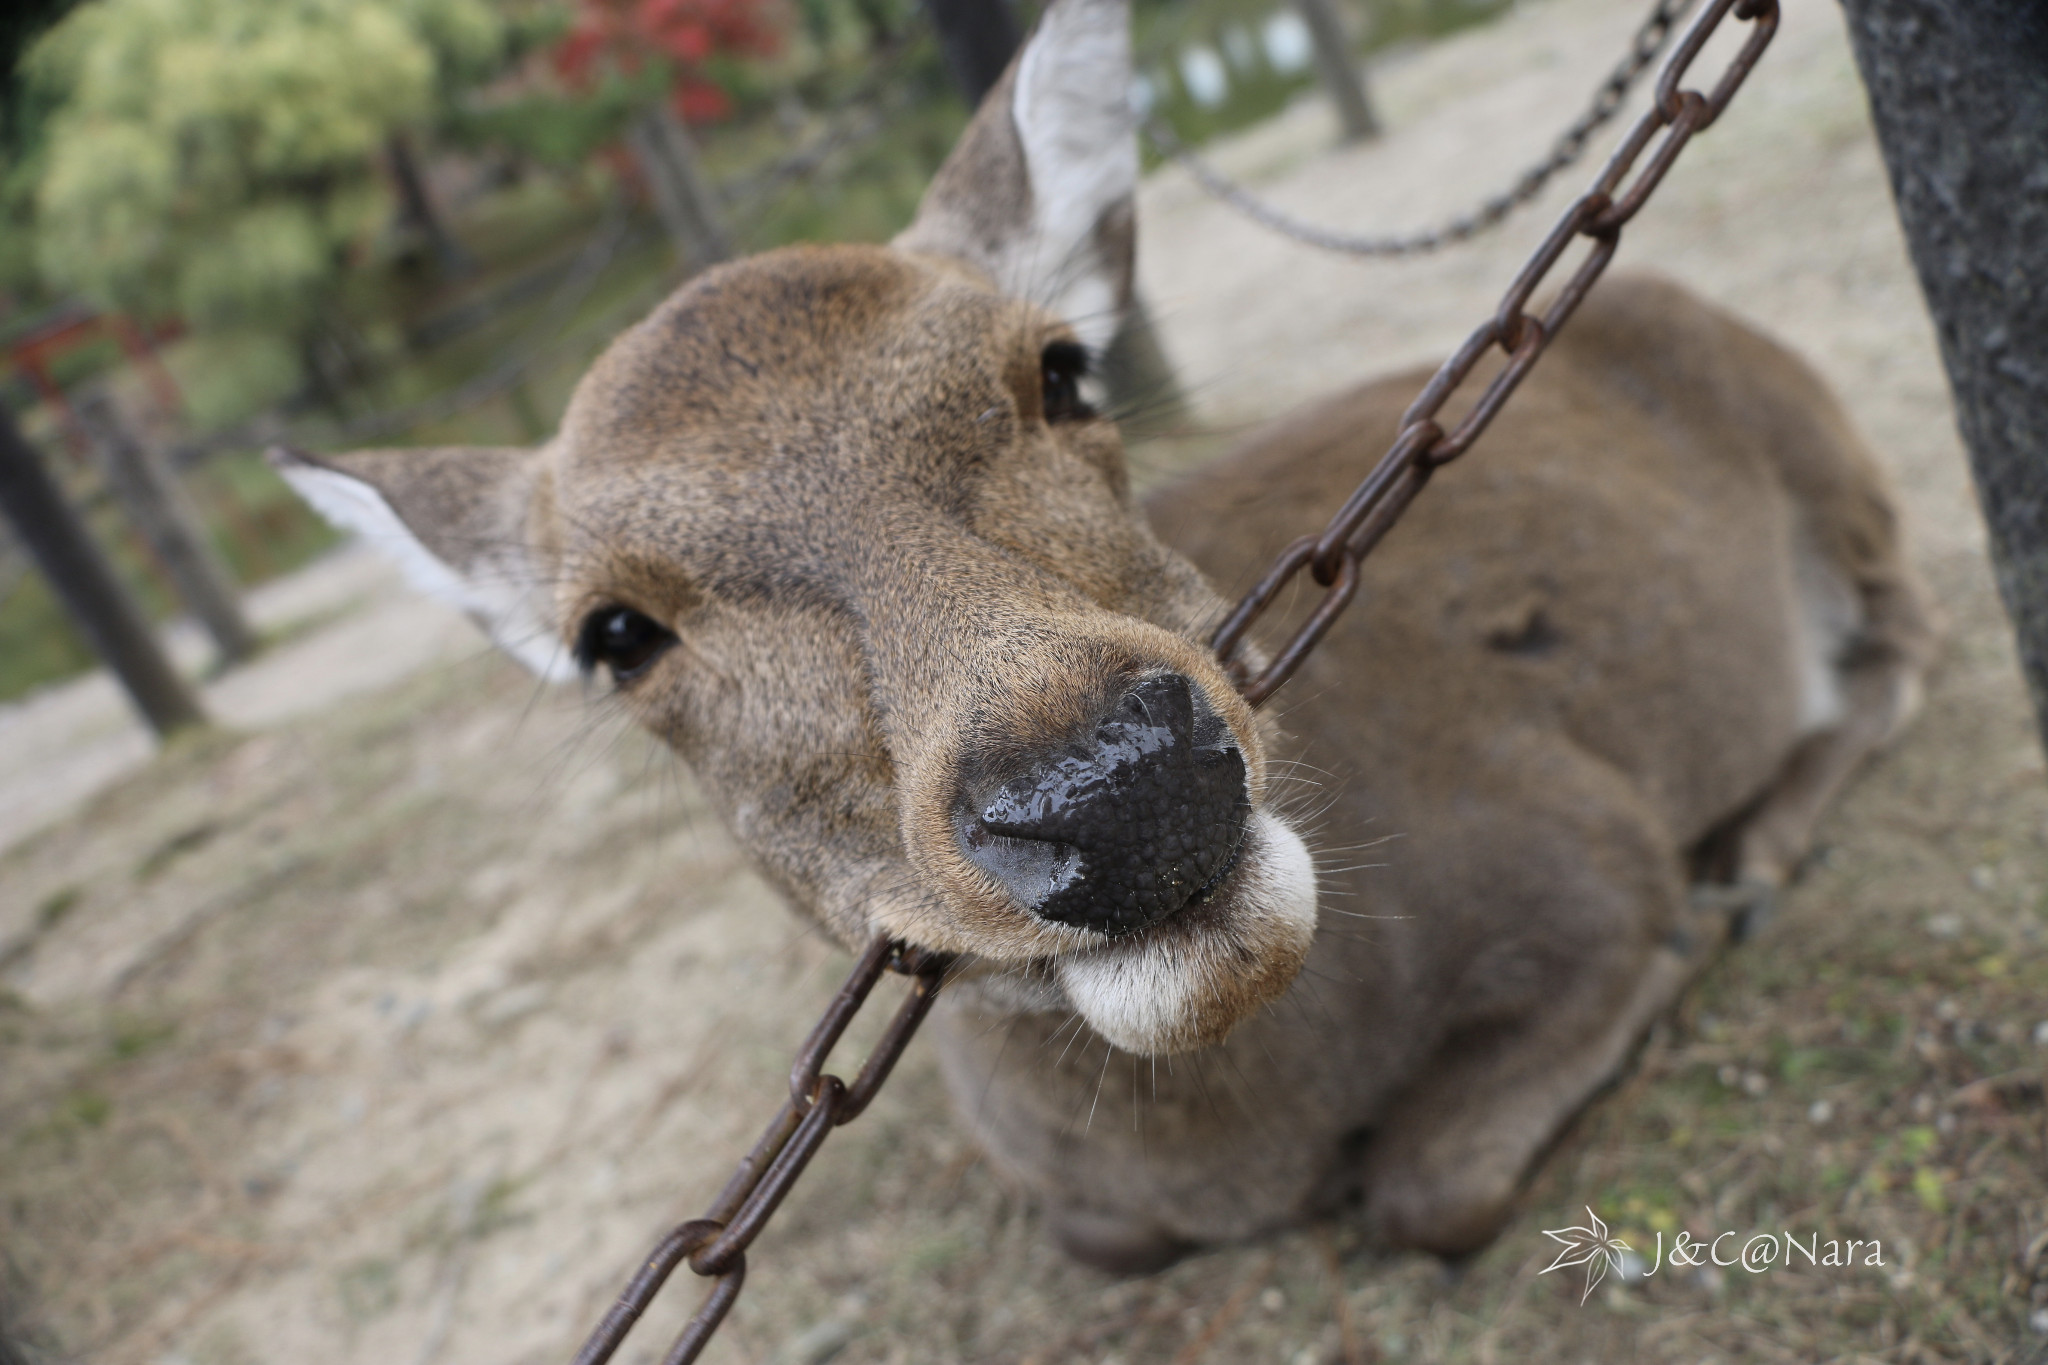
(99,605)
(1959,93)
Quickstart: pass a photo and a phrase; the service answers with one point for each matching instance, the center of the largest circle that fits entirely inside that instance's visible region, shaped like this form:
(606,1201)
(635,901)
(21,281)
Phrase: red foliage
(622,34)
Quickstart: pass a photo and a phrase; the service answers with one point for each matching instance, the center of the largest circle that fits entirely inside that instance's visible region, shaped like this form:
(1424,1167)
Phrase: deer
(849,528)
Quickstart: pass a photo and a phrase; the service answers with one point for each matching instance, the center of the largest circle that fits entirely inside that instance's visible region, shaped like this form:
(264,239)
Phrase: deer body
(1665,602)
(843,528)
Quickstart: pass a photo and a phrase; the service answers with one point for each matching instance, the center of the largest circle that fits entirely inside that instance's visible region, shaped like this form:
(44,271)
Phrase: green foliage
(38,641)
(559,130)
(466,37)
(23,112)
(226,375)
(217,159)
(878,189)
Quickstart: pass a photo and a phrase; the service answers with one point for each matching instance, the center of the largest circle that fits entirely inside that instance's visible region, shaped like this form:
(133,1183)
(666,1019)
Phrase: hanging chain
(1648,42)
(1423,446)
(715,1245)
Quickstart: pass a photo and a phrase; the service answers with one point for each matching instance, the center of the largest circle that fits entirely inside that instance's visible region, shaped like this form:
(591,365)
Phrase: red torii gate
(72,326)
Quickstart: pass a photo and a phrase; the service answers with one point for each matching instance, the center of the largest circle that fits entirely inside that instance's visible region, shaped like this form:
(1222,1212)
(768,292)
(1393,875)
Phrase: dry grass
(396,1034)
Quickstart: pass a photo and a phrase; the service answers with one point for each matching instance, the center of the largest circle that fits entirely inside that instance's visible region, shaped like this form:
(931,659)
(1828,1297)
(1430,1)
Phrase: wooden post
(83,578)
(1959,94)
(156,503)
(418,211)
(1339,72)
(683,198)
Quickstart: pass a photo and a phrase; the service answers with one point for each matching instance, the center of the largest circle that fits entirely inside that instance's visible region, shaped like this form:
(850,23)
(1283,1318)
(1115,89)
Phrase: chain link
(1570,145)
(1422,445)
(715,1245)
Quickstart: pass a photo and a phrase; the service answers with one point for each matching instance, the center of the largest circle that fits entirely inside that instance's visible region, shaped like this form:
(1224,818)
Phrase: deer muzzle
(1126,822)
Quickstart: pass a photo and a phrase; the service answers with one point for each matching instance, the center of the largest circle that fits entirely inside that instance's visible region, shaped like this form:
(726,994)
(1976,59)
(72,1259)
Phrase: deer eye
(1064,365)
(621,639)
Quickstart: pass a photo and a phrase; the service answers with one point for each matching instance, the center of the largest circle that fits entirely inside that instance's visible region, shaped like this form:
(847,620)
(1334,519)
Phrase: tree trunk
(156,504)
(683,198)
(417,211)
(1339,71)
(1959,93)
(976,38)
(83,578)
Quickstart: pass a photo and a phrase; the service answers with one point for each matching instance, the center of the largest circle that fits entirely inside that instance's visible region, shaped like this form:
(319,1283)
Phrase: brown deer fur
(1639,637)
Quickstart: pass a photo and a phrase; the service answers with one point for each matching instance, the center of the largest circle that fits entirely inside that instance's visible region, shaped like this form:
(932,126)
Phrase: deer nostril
(1122,829)
(1032,870)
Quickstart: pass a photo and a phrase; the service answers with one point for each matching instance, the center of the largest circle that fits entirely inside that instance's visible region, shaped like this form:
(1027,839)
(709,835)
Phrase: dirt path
(344,626)
(394,1031)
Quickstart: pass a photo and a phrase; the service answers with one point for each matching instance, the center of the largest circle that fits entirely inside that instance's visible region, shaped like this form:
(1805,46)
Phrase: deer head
(842,526)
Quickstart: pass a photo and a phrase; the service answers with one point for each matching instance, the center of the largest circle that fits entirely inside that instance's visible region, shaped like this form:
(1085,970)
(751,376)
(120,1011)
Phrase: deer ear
(456,520)
(1038,191)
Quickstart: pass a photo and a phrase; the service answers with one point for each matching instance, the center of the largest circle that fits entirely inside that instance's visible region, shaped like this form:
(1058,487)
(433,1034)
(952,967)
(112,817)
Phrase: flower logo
(1588,1246)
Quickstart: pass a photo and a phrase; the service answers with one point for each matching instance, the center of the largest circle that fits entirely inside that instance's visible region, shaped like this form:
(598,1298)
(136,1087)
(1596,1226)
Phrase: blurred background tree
(698,49)
(417,221)
(218,161)
(24,113)
(676,62)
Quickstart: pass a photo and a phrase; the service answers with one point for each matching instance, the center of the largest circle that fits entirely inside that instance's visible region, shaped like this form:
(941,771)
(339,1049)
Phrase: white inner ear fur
(1165,992)
(496,593)
(1072,110)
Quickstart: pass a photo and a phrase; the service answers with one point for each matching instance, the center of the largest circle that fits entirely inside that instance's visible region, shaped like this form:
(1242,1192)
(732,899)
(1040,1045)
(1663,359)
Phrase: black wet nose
(1124,826)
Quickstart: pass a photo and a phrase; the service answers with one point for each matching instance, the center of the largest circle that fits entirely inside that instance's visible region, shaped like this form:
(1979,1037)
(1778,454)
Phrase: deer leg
(1872,672)
(1114,1243)
(1442,1173)
(1878,698)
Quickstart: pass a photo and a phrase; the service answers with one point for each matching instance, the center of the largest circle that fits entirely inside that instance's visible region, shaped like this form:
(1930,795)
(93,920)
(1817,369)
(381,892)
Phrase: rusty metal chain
(715,1245)
(1423,446)
(1570,145)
